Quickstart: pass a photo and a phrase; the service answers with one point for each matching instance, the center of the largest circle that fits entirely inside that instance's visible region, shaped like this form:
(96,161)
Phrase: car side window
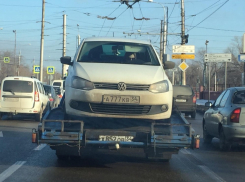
(43,91)
(217,102)
(224,99)
(40,87)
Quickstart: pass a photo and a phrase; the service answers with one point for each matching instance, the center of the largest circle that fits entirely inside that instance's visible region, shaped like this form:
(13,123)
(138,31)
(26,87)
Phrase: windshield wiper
(9,91)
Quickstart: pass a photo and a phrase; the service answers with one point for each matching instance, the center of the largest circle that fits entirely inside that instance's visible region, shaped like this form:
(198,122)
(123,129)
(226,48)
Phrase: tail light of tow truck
(235,115)
(36,96)
(51,99)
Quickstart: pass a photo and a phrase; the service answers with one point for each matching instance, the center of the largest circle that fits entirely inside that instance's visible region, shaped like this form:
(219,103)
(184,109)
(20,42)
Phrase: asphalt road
(21,160)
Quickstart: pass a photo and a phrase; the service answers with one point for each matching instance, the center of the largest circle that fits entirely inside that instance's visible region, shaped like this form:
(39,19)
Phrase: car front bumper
(152,101)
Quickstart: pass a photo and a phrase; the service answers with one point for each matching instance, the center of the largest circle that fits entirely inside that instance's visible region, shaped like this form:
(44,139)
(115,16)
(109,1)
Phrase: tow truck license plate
(116,138)
(121,99)
(180,100)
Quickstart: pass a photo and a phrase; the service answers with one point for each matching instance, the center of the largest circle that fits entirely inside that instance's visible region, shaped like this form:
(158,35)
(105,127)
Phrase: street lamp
(205,66)
(14,31)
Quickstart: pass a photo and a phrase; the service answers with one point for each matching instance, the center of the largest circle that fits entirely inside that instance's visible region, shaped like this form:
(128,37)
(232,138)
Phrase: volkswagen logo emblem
(121,86)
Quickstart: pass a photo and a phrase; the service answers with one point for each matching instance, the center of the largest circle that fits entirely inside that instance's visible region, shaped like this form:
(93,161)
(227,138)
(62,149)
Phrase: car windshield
(239,97)
(182,90)
(18,86)
(118,52)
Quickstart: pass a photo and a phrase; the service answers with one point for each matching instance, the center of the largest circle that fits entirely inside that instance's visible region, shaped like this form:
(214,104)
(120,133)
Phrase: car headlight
(159,87)
(80,83)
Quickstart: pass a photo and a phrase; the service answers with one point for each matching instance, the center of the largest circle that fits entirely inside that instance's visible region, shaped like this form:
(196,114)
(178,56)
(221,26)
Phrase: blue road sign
(241,58)
(50,70)
(36,69)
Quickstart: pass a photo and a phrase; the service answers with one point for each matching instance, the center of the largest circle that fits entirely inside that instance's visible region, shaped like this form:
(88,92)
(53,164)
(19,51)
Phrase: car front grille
(114,86)
(120,109)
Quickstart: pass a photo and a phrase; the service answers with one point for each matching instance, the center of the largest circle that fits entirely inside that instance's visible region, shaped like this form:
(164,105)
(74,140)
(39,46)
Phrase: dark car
(53,97)
(184,99)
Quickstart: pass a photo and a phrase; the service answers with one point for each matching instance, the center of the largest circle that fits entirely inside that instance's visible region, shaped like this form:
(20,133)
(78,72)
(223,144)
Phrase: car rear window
(18,86)
(182,90)
(57,83)
(47,88)
(239,97)
(57,90)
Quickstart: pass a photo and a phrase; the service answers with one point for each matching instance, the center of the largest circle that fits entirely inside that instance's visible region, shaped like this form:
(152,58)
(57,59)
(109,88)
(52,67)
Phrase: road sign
(50,70)
(36,69)
(183,56)
(6,60)
(217,57)
(241,58)
(183,66)
(183,49)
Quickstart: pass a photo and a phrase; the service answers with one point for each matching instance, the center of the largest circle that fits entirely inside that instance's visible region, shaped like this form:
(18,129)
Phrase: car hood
(114,73)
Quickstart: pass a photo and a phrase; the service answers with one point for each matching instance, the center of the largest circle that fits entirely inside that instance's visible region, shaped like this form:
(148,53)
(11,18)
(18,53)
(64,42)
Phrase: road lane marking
(200,164)
(8,172)
(184,151)
(1,134)
(211,174)
(40,147)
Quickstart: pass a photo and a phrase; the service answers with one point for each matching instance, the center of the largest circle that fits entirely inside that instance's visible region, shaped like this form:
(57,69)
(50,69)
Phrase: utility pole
(64,67)
(42,42)
(161,37)
(78,40)
(18,72)
(14,52)
(183,77)
(165,33)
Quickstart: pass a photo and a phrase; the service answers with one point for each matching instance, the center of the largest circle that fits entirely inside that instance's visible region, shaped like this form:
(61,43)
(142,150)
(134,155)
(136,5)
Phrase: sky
(217,21)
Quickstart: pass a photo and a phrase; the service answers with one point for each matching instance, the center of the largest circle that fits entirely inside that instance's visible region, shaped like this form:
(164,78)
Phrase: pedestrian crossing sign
(6,60)
(36,69)
(50,70)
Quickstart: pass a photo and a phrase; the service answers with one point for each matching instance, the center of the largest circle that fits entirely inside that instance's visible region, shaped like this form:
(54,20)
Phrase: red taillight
(60,96)
(194,99)
(51,99)
(235,115)
(36,97)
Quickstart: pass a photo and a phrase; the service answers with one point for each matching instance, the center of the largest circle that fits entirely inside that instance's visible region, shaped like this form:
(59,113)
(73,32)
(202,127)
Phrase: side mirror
(208,104)
(168,65)
(66,60)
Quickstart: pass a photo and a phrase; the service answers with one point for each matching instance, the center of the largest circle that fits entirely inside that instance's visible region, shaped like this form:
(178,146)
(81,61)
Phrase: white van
(61,84)
(23,95)
(118,78)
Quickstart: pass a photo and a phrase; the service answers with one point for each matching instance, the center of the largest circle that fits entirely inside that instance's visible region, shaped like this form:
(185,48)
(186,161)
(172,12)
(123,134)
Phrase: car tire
(223,144)
(193,115)
(38,117)
(206,137)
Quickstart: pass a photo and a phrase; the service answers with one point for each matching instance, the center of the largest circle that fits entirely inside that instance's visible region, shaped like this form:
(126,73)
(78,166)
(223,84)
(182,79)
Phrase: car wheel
(38,117)
(223,144)
(193,115)
(206,137)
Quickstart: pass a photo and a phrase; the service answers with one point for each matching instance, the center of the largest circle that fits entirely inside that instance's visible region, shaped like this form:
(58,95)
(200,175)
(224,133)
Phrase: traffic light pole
(183,74)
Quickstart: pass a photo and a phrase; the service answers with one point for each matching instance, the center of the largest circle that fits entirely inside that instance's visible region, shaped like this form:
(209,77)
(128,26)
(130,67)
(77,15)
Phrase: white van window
(18,86)
(57,84)
(39,87)
(118,52)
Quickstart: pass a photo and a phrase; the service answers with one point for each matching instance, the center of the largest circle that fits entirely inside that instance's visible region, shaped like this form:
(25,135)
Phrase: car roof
(21,78)
(116,39)
(238,88)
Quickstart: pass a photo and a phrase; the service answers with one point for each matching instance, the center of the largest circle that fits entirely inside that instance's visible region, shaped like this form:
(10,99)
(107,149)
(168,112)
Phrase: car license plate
(116,138)
(121,99)
(180,100)
(11,99)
